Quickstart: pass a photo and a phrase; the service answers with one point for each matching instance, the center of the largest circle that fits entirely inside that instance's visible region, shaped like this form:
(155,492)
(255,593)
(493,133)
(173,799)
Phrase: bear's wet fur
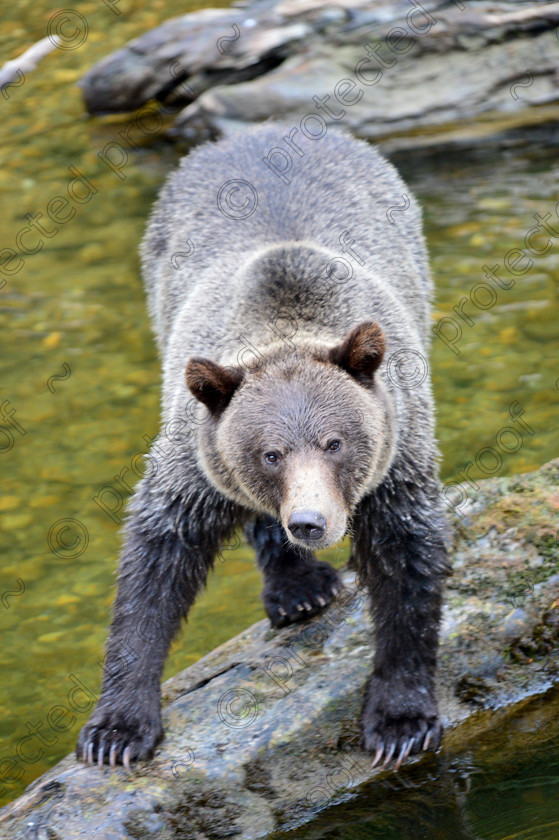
(293,325)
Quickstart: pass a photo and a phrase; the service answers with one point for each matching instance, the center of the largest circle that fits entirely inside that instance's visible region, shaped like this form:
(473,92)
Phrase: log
(17,68)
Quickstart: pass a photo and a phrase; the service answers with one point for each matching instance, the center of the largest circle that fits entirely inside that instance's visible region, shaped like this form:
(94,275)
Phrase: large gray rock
(263,732)
(443,70)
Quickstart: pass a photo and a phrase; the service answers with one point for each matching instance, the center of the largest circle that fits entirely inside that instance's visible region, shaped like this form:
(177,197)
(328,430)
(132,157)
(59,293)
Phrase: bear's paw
(299,592)
(397,724)
(117,736)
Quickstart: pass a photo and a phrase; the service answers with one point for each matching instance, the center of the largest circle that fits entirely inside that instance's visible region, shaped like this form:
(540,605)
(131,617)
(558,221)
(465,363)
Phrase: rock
(256,731)
(513,625)
(402,73)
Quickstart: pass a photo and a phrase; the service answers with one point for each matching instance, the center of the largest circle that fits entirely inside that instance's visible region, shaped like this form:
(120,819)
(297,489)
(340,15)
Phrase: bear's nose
(307,525)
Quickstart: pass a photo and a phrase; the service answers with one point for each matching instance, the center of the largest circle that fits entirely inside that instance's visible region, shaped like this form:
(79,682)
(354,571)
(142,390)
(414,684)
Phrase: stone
(424,74)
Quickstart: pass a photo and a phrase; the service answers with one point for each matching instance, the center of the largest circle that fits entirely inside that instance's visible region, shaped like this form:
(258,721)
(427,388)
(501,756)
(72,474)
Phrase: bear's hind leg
(296,584)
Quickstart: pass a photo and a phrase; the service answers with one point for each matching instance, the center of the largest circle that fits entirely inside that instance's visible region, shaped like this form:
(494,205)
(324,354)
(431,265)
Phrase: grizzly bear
(292,318)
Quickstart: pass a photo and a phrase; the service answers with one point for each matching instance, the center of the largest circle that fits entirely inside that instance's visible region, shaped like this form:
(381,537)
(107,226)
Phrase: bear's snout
(307,525)
(312,512)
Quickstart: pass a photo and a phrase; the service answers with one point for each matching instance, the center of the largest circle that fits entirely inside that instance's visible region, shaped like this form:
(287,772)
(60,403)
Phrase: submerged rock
(262,733)
(405,73)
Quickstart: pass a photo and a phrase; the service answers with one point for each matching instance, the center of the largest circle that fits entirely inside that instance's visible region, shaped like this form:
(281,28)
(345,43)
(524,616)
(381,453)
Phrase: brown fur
(291,323)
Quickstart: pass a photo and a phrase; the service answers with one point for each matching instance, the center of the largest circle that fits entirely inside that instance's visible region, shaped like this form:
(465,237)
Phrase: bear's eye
(334,445)
(271,457)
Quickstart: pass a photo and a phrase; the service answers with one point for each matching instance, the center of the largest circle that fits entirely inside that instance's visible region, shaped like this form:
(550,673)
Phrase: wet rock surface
(256,730)
(402,73)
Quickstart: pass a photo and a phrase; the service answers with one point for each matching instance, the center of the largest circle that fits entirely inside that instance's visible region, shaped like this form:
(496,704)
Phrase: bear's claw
(88,750)
(405,745)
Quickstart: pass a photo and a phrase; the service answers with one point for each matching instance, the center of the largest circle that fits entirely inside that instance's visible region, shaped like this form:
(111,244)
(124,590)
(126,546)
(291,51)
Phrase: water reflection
(499,786)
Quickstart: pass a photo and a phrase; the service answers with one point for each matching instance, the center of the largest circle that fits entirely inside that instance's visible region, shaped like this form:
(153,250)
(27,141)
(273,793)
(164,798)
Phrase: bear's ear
(361,351)
(212,384)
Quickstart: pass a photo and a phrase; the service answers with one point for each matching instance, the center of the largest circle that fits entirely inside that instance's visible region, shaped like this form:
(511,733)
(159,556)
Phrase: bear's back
(229,200)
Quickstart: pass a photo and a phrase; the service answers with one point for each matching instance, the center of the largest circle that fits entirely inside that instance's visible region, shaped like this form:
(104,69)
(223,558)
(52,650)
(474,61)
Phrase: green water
(75,311)
(488,792)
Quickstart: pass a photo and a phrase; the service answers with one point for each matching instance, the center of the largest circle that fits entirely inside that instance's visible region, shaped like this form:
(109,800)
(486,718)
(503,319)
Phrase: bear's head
(302,435)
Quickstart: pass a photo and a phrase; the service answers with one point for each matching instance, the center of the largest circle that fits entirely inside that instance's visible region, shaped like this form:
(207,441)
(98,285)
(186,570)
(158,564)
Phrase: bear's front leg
(400,552)
(171,544)
(296,584)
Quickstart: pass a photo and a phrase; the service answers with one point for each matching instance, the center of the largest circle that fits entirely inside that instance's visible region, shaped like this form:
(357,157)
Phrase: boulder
(403,73)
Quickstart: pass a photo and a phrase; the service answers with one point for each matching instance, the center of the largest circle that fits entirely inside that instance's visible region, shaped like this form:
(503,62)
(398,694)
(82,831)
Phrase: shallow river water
(80,390)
